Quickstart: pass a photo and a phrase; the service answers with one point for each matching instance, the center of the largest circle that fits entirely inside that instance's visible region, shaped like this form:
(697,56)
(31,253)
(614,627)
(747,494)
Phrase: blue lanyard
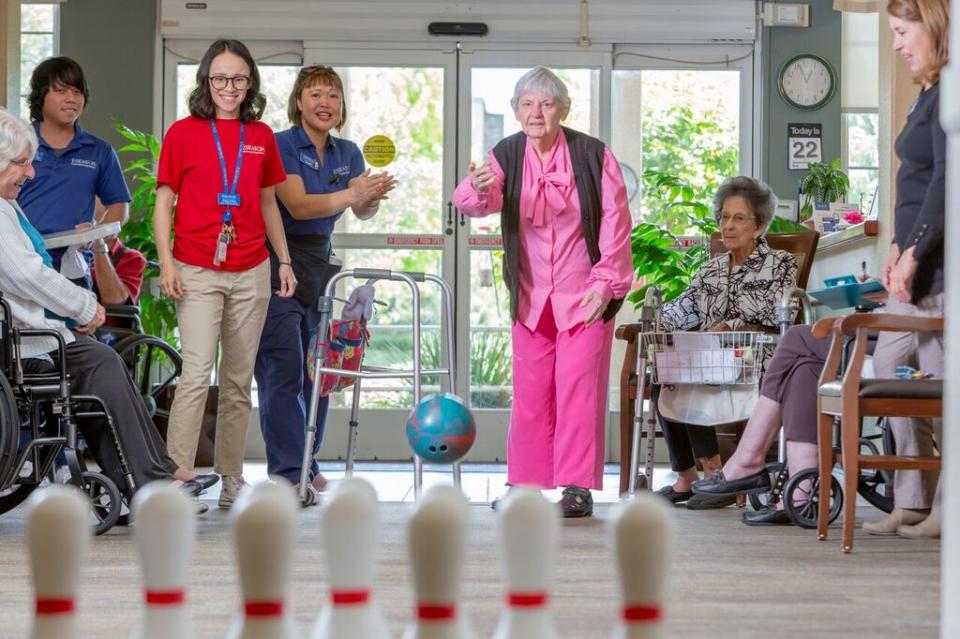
(223,162)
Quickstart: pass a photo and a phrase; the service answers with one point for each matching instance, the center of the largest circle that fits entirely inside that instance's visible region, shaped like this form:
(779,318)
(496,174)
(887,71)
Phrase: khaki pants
(911,488)
(229,309)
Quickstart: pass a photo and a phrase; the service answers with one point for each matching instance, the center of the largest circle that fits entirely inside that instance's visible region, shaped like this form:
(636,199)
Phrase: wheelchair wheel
(154,365)
(105,499)
(9,432)
(15,495)
(801,498)
(759,501)
(874,485)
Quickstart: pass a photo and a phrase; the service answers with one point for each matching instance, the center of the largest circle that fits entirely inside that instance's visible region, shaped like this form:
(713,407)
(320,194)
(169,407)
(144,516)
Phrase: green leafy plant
(658,256)
(158,314)
(692,148)
(823,183)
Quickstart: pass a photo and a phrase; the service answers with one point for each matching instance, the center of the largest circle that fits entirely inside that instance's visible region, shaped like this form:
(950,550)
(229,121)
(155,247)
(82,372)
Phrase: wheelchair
(38,423)
(154,364)
(801,492)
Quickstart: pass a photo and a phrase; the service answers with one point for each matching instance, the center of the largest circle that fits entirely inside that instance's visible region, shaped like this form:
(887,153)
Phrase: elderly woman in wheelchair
(735,291)
(126,445)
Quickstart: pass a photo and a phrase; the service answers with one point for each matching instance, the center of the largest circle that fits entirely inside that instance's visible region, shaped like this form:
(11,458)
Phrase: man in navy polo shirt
(74,169)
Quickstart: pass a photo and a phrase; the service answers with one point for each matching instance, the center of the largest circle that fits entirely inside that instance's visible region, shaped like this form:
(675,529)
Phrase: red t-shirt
(189,165)
(129,264)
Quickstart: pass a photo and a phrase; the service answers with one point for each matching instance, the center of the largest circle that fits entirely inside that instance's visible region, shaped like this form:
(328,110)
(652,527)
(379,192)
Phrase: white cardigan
(30,287)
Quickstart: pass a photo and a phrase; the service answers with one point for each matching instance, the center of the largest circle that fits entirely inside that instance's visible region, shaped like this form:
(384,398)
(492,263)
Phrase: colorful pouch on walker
(344,350)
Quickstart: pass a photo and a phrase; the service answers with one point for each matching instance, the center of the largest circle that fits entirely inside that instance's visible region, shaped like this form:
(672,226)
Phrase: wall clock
(807,82)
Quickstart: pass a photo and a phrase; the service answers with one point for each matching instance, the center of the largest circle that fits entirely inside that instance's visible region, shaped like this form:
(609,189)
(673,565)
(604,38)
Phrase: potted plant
(823,183)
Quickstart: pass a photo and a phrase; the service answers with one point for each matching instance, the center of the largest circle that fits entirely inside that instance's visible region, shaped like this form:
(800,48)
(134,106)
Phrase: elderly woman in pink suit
(567,266)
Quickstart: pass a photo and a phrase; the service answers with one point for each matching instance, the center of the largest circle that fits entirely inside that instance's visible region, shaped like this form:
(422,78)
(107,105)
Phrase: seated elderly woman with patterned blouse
(735,291)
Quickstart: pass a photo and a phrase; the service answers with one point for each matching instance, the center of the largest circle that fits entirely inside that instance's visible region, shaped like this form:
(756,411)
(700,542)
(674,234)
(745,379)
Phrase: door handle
(449,229)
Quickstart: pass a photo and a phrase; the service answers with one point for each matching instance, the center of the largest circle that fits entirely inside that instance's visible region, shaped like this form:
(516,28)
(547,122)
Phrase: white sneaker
(230,487)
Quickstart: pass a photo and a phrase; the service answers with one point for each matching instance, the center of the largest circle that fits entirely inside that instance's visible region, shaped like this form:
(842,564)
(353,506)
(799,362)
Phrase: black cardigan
(586,155)
(919,215)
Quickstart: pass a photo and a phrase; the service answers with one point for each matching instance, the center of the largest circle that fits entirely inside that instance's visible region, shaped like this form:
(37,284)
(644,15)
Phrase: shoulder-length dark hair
(201,102)
(61,69)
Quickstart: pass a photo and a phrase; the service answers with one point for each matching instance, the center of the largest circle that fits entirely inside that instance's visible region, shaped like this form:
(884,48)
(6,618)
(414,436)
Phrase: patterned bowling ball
(441,429)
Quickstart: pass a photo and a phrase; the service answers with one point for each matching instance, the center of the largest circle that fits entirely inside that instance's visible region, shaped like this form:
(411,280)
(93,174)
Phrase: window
(39,40)
(859,104)
(679,134)
(861,157)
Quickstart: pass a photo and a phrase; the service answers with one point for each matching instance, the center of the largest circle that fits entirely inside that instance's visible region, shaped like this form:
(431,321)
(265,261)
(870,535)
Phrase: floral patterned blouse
(747,294)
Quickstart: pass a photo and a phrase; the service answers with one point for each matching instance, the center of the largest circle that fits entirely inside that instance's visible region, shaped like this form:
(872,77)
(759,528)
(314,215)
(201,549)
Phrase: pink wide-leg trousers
(557,425)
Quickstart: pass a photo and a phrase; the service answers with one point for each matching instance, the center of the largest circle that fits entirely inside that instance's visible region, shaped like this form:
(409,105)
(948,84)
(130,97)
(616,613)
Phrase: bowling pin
(529,536)
(58,535)
(640,531)
(438,541)
(265,526)
(165,528)
(351,533)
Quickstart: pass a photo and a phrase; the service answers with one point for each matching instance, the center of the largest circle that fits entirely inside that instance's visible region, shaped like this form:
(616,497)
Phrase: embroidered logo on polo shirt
(306,158)
(87,164)
(254,148)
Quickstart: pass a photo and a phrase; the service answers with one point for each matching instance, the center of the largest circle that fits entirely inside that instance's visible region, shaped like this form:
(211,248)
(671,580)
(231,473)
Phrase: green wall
(113,40)
(780,44)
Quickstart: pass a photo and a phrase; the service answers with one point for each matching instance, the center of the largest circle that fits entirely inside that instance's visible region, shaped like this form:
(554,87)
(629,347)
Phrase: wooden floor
(729,580)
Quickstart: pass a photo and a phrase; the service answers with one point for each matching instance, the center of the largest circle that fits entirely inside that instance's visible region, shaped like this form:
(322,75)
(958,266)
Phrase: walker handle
(372,274)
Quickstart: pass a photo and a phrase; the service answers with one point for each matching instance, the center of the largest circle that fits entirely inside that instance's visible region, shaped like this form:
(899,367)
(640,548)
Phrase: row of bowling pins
(265,522)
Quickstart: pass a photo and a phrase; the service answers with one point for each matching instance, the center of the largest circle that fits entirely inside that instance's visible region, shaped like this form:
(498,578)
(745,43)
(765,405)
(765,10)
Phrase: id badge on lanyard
(228,198)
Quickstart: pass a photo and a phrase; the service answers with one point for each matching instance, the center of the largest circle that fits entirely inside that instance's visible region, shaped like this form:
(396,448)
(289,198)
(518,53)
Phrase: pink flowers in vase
(852,217)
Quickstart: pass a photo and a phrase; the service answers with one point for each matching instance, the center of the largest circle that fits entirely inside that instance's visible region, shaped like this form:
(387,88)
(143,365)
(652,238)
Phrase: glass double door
(441,109)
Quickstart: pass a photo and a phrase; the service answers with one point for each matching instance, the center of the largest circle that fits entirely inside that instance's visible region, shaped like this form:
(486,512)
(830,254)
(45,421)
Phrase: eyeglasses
(20,163)
(239,82)
(738,218)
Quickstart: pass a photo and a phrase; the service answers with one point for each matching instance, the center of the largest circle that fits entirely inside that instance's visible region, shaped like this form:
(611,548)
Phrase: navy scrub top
(342,161)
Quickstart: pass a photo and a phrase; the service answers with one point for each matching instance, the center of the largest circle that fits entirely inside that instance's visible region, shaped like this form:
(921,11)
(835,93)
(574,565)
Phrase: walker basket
(721,358)
(344,348)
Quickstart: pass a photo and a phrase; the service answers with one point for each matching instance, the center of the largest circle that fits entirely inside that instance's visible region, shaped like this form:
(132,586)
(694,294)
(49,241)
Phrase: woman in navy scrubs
(325,176)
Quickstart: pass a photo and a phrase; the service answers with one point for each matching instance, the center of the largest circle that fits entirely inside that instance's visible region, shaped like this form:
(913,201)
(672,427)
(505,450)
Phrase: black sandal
(576,502)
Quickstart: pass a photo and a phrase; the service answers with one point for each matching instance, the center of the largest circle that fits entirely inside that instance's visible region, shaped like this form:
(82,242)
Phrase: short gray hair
(756,193)
(542,80)
(16,136)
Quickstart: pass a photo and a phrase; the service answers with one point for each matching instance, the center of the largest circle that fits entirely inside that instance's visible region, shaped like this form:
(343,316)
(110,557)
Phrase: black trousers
(96,369)
(686,443)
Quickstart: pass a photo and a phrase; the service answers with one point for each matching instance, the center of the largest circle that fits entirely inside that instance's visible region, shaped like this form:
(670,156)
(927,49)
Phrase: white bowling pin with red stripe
(265,527)
(164,530)
(437,535)
(58,536)
(529,536)
(640,532)
(350,526)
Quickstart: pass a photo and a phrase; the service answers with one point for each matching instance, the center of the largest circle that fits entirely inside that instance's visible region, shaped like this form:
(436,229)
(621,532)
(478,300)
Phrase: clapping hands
(369,189)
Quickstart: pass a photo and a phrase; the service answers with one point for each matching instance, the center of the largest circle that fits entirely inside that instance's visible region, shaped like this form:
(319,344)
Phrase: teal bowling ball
(441,429)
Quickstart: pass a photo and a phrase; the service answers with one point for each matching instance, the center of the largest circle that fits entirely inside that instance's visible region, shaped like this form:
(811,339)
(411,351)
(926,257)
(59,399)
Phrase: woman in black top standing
(913,273)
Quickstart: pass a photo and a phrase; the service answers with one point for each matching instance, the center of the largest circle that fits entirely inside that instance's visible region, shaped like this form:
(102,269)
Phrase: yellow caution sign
(379,151)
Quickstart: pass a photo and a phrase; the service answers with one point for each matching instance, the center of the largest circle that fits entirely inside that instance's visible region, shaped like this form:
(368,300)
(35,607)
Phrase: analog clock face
(806,82)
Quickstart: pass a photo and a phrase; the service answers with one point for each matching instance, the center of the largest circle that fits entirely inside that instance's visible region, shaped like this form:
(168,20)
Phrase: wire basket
(722,358)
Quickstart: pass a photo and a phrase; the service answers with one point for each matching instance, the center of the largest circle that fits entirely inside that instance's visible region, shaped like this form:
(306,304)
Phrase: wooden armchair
(847,395)
(803,247)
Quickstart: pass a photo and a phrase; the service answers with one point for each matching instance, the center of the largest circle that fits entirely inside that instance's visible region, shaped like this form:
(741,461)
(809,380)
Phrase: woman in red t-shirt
(220,164)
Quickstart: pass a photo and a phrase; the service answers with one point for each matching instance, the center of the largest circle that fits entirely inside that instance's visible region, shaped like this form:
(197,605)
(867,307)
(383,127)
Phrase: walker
(325,306)
(734,359)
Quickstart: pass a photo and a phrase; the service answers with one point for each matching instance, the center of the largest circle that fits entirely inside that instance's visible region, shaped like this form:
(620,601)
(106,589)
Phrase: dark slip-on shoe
(718,484)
